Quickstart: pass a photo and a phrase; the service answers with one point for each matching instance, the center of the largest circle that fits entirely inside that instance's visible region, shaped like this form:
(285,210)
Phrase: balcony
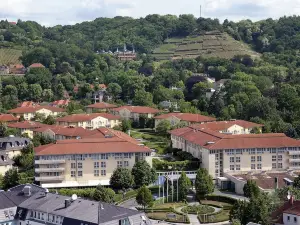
(294,160)
(294,152)
(45,162)
(53,178)
(44,170)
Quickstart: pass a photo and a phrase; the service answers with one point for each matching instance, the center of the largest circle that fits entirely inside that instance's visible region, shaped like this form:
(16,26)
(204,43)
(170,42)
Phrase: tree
(10,179)
(251,189)
(144,197)
(184,183)
(35,92)
(296,183)
(121,179)
(104,194)
(47,95)
(126,125)
(143,98)
(163,127)
(143,174)
(204,183)
(50,120)
(114,90)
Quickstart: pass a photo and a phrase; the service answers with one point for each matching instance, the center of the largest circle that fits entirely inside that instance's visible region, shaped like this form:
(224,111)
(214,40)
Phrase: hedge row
(182,165)
(221,198)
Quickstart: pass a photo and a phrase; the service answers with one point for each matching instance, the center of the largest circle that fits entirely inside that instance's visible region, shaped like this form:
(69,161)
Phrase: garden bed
(221,216)
(198,209)
(217,204)
(167,216)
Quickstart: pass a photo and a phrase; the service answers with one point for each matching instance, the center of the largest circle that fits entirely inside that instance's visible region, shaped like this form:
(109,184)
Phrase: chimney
(67,203)
(292,200)
(276,182)
(27,190)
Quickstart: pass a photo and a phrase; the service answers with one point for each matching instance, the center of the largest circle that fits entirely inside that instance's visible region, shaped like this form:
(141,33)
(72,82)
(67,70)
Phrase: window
(274,158)
(79,165)
(258,158)
(103,172)
(126,163)
(280,165)
(237,167)
(259,166)
(79,173)
(73,165)
(252,151)
(96,165)
(252,166)
(231,159)
(252,158)
(73,173)
(279,157)
(274,166)
(96,173)
(295,219)
(103,164)
(231,167)
(238,159)
(104,156)
(119,163)
(288,218)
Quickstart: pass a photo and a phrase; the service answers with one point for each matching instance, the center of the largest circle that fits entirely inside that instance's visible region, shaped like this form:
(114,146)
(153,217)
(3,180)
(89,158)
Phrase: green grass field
(208,45)
(9,56)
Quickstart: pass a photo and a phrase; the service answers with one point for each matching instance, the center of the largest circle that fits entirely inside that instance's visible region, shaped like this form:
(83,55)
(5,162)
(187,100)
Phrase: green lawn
(198,209)
(169,205)
(219,217)
(216,204)
(163,216)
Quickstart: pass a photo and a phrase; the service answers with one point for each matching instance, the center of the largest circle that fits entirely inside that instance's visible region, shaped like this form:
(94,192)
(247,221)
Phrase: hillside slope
(211,44)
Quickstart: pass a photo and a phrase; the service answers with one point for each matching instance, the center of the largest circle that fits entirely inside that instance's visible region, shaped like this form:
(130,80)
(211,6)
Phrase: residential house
(230,127)
(90,121)
(85,162)
(4,70)
(48,208)
(187,118)
(28,113)
(169,105)
(27,104)
(12,198)
(135,112)
(8,118)
(12,146)
(5,164)
(99,107)
(26,127)
(226,153)
(17,69)
(36,65)
(60,103)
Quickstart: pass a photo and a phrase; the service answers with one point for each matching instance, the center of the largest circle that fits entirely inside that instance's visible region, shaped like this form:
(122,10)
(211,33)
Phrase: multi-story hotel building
(85,162)
(225,153)
(187,118)
(90,121)
(100,107)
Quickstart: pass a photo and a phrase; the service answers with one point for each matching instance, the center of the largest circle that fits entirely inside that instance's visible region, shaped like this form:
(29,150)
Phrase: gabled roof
(214,140)
(101,105)
(90,146)
(27,104)
(190,117)
(26,125)
(33,109)
(80,211)
(86,117)
(287,207)
(36,65)
(138,109)
(8,118)
(65,131)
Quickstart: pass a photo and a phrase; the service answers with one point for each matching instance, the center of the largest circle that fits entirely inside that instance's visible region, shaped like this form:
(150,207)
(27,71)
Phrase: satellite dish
(74,197)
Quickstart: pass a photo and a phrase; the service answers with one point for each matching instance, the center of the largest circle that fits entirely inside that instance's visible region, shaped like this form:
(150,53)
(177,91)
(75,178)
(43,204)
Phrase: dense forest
(264,90)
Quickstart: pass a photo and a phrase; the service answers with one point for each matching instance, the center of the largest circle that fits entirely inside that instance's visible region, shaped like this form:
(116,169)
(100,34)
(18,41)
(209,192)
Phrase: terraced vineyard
(211,44)
(9,56)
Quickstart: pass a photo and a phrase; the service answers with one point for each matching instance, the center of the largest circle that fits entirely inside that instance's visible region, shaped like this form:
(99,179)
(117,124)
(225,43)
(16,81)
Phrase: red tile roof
(36,65)
(65,131)
(90,146)
(63,102)
(224,125)
(101,105)
(26,125)
(27,104)
(33,109)
(86,117)
(103,131)
(8,118)
(287,207)
(225,141)
(138,109)
(13,23)
(190,117)
(17,66)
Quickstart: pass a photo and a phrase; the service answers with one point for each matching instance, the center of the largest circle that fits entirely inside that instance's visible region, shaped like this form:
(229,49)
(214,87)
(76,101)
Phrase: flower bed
(198,209)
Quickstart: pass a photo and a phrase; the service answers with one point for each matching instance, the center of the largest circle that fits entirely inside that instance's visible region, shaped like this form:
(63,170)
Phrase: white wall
(291,220)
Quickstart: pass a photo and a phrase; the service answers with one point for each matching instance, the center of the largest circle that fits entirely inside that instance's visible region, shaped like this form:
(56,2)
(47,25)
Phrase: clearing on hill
(9,56)
(210,44)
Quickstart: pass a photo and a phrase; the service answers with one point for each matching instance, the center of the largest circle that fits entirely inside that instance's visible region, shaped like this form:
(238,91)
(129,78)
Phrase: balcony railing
(42,170)
(294,152)
(45,162)
(53,178)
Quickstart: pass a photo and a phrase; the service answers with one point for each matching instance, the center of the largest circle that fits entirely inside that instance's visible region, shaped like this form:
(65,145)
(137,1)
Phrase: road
(130,204)
(230,194)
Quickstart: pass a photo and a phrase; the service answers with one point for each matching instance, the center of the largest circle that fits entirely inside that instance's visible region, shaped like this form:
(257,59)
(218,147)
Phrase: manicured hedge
(221,198)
